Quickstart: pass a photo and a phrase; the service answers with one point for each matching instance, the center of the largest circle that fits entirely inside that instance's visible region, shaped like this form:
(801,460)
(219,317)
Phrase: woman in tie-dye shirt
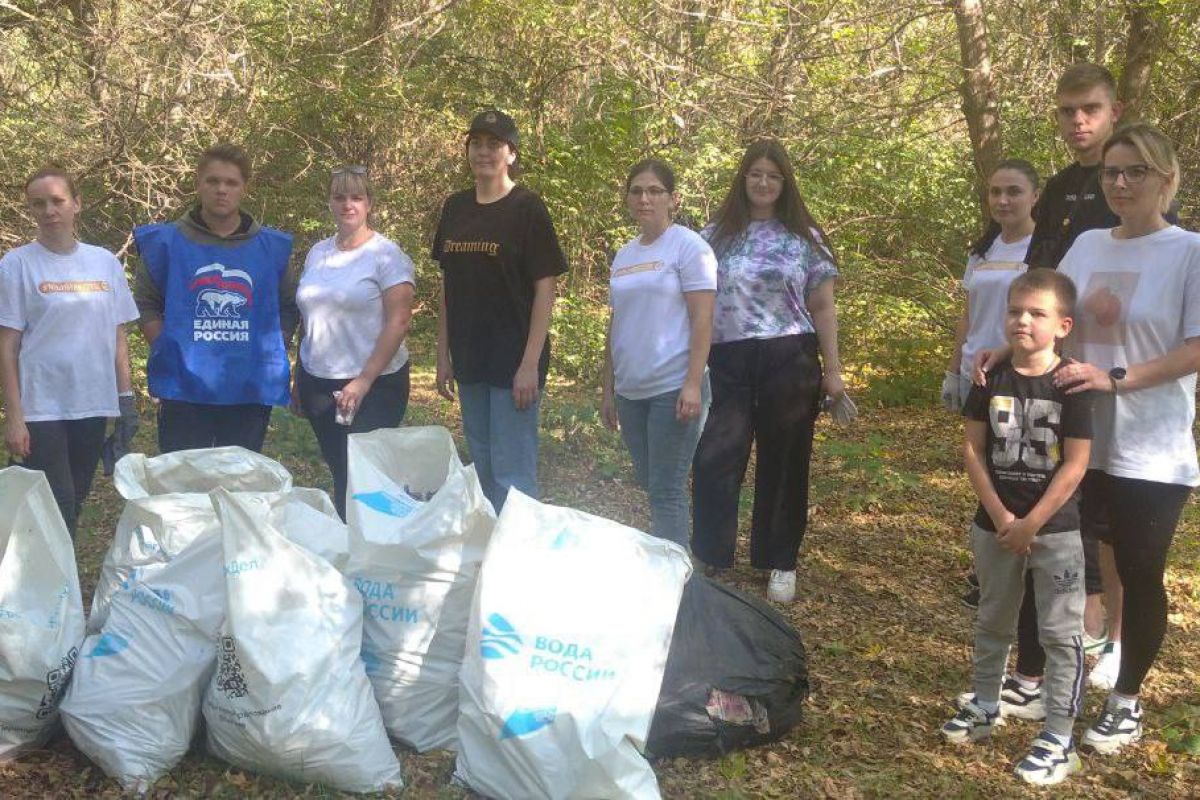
(775,327)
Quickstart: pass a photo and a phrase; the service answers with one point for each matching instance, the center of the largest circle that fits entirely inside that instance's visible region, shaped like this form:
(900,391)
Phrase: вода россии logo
(221,295)
(500,638)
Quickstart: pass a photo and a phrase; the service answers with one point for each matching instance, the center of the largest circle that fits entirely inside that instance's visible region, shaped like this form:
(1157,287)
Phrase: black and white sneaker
(1116,728)
(970,724)
(1048,762)
(970,599)
(1015,701)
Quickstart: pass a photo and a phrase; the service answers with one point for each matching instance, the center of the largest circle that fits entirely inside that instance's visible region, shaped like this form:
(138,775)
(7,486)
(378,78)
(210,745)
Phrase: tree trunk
(978,93)
(1141,46)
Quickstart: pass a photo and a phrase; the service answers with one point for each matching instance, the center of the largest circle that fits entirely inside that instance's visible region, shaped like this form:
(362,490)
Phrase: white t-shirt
(68,308)
(986,282)
(341,301)
(650,323)
(1138,300)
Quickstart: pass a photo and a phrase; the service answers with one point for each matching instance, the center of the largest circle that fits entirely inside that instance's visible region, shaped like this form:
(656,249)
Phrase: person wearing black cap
(499,256)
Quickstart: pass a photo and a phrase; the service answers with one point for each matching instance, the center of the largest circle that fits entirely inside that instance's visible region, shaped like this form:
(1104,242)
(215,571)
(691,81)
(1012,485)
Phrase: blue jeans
(503,441)
(662,447)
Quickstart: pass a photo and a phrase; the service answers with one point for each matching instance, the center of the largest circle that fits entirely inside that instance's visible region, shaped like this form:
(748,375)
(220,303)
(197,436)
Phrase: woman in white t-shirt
(995,260)
(64,364)
(774,353)
(1136,343)
(355,298)
(656,391)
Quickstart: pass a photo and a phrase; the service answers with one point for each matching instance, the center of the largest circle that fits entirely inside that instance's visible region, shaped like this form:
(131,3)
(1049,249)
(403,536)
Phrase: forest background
(892,110)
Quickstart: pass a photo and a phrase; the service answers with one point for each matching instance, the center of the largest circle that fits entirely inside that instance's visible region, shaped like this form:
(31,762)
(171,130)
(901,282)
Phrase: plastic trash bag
(134,703)
(168,508)
(566,649)
(736,675)
(419,525)
(41,611)
(290,696)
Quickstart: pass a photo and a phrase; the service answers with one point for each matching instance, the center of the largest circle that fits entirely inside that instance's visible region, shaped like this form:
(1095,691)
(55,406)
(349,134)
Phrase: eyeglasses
(655,192)
(353,169)
(1134,174)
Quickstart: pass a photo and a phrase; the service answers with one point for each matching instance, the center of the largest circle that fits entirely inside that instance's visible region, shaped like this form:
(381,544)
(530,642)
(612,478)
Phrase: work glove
(952,400)
(842,409)
(119,441)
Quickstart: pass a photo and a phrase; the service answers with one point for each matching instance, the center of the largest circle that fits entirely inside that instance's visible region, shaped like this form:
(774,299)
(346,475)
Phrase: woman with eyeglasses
(355,297)
(1136,344)
(774,354)
(655,383)
(64,362)
(499,256)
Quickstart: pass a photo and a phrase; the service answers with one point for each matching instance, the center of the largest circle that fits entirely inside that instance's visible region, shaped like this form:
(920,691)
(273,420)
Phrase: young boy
(1086,111)
(218,307)
(1027,448)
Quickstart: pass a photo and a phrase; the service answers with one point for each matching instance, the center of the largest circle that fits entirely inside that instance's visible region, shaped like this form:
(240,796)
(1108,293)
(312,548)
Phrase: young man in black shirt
(1087,111)
(1027,448)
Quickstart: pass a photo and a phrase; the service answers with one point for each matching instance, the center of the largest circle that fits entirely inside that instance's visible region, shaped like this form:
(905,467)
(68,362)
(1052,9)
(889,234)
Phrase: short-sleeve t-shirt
(763,283)
(651,328)
(491,255)
(68,307)
(1139,299)
(1027,420)
(341,301)
(986,282)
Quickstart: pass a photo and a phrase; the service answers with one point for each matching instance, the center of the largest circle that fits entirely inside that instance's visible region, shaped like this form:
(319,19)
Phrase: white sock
(1065,741)
(1026,683)
(1116,702)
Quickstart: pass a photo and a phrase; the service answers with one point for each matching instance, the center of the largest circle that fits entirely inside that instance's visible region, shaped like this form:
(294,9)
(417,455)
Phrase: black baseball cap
(498,124)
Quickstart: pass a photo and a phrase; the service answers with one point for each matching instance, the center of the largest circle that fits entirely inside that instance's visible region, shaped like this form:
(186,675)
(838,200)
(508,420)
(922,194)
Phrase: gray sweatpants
(1056,562)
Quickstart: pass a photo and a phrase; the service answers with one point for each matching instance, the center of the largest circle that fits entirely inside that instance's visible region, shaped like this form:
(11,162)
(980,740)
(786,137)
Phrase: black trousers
(67,451)
(193,426)
(382,407)
(765,391)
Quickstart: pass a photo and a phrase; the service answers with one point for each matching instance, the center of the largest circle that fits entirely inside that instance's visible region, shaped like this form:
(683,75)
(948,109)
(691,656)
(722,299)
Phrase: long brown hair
(733,217)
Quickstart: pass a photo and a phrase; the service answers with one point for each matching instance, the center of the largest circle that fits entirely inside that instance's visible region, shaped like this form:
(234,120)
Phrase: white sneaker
(1015,701)
(971,724)
(782,586)
(1104,674)
(1048,762)
(1116,728)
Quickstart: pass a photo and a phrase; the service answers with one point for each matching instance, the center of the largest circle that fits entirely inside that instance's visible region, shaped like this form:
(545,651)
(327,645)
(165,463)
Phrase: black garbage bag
(736,675)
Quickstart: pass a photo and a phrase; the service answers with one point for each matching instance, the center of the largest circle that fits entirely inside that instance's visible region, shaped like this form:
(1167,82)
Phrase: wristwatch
(1115,376)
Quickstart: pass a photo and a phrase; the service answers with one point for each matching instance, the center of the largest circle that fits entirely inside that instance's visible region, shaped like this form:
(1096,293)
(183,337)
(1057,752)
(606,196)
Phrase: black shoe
(972,579)
(971,599)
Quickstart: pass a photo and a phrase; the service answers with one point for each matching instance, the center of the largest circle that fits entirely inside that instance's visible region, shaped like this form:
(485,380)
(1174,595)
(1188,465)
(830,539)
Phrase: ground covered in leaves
(878,609)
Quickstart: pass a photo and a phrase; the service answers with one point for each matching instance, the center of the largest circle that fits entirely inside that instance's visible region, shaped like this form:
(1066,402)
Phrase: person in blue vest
(217,304)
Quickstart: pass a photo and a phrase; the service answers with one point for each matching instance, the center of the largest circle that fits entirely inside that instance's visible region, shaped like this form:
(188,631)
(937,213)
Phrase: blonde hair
(344,181)
(1156,150)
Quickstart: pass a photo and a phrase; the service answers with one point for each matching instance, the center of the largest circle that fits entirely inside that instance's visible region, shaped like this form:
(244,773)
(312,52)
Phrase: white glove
(951,399)
(842,409)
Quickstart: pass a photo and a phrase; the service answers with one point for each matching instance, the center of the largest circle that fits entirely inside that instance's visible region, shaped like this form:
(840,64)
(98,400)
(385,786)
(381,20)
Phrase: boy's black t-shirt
(491,254)
(1028,418)
(1071,203)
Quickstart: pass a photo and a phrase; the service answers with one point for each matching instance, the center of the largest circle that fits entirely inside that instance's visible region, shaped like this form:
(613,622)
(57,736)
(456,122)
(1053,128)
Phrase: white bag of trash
(419,525)
(168,508)
(135,700)
(41,611)
(566,649)
(290,696)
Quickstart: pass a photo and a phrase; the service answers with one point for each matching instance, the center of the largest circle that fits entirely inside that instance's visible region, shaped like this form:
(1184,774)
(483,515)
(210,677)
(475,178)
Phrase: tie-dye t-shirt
(763,282)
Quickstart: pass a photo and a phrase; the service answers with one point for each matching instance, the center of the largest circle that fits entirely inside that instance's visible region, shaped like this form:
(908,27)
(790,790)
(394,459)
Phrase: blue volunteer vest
(221,341)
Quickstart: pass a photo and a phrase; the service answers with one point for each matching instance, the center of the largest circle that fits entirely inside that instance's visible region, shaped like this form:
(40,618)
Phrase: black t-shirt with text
(1071,203)
(1027,420)
(491,254)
